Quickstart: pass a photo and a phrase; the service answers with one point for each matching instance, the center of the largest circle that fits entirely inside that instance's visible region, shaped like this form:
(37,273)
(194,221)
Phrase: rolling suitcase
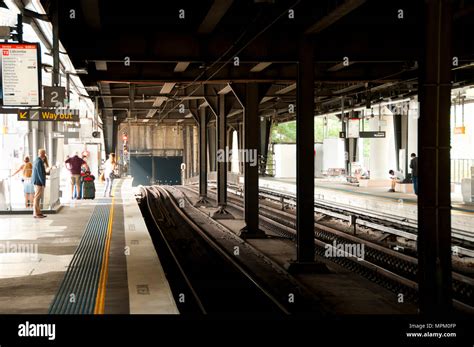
(88,189)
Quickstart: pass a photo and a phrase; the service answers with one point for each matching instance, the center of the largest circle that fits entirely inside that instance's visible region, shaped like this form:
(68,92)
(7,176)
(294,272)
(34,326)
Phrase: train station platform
(94,257)
(372,199)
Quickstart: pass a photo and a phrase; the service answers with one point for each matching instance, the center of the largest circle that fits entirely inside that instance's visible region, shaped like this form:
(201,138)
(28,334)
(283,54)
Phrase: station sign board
(21,74)
(366,134)
(65,135)
(372,134)
(49,115)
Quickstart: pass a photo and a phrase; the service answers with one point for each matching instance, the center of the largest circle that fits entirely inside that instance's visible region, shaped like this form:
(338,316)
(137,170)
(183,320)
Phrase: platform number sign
(54,97)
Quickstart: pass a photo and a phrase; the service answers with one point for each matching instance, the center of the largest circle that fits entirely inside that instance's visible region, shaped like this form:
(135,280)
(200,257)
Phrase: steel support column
(202,158)
(265,127)
(305,162)
(222,212)
(185,153)
(55,24)
(212,147)
(434,199)
(251,144)
(191,152)
(115,126)
(109,134)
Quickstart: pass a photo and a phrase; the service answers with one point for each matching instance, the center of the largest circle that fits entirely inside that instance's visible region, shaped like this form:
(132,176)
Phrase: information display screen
(21,71)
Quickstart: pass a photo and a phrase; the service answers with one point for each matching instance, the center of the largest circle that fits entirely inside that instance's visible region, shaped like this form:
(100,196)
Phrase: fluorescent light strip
(167,88)
(101,65)
(181,66)
(260,66)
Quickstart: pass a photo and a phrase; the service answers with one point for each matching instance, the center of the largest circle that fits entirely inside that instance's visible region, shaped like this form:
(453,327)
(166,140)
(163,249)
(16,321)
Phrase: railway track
(204,277)
(382,265)
(463,241)
(391,224)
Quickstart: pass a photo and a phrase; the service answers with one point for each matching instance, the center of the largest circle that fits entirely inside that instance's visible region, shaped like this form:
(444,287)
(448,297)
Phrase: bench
(404,188)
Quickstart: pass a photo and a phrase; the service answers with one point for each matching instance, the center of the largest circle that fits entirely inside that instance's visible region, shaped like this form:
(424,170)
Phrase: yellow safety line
(104,271)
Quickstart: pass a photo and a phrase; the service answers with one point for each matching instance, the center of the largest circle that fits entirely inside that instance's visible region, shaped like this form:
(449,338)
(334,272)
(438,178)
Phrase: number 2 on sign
(54,97)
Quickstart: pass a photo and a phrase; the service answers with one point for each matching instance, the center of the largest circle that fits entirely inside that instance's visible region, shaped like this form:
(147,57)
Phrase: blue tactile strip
(78,290)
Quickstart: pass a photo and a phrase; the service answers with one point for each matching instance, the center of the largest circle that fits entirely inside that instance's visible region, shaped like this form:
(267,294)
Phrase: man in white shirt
(396,177)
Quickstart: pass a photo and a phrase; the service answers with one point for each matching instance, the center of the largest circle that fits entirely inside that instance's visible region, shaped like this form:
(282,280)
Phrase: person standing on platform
(74,165)
(109,172)
(414,171)
(28,188)
(38,178)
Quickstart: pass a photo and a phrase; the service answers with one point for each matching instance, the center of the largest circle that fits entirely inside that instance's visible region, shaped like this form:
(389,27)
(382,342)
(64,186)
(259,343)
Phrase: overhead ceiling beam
(227,89)
(350,88)
(181,66)
(331,18)
(214,16)
(260,66)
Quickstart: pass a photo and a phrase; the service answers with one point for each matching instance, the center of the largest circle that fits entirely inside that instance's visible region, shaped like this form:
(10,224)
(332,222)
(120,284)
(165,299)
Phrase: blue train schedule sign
(20,70)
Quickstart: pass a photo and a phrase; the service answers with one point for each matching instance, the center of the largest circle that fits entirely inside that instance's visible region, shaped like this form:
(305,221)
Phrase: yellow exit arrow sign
(23,115)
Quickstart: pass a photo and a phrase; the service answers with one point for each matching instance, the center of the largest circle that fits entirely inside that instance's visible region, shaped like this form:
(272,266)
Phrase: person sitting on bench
(396,177)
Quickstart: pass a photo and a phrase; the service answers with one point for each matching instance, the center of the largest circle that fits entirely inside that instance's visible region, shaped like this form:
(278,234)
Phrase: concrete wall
(150,138)
(333,154)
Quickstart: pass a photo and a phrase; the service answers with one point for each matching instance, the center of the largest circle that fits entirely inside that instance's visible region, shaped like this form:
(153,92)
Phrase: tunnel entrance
(148,169)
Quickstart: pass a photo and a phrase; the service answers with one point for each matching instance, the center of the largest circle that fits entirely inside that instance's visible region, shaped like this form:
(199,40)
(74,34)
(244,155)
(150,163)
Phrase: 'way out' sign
(45,115)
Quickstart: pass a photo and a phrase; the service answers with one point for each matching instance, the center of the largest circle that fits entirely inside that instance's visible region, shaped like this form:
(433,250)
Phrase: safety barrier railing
(5,190)
(12,194)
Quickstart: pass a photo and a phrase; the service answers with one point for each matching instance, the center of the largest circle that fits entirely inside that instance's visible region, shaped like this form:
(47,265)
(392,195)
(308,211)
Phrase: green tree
(286,132)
